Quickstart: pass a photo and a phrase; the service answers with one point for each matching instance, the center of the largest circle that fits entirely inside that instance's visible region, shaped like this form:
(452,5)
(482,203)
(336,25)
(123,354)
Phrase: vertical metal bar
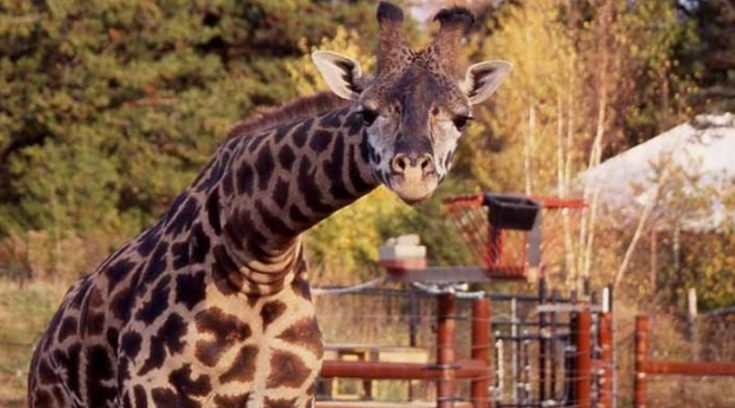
(583,370)
(543,343)
(526,373)
(481,344)
(413,321)
(447,307)
(413,324)
(515,355)
(641,351)
(552,351)
(500,370)
(605,338)
(570,362)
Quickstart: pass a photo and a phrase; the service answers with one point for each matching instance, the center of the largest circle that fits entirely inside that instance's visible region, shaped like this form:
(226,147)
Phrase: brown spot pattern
(271,311)
(231,401)
(226,329)
(306,333)
(287,370)
(243,368)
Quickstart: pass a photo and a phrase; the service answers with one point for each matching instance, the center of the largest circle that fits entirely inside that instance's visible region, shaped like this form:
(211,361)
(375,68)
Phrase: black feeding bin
(511,212)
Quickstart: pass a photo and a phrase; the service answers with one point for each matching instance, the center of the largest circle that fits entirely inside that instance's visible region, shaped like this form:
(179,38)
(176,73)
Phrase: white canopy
(701,152)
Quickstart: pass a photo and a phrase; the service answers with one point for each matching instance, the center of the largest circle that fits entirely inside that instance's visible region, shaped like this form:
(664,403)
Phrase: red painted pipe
(375,370)
(641,352)
(481,350)
(445,355)
(583,369)
(699,368)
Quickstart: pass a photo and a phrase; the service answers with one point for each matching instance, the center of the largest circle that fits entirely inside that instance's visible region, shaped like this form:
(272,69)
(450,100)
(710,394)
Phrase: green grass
(24,313)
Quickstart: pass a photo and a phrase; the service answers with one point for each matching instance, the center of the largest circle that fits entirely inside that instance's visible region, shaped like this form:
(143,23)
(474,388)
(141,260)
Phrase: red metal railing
(447,369)
(644,366)
(588,367)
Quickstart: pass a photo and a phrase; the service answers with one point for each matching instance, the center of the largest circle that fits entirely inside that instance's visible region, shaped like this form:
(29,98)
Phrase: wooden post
(583,369)
(606,345)
(641,351)
(481,344)
(692,322)
(446,304)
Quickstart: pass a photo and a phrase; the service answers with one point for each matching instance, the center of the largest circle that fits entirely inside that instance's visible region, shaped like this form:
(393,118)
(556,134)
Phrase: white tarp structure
(700,152)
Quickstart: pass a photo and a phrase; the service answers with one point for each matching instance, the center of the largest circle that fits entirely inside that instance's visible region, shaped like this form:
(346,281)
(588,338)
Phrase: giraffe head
(414,106)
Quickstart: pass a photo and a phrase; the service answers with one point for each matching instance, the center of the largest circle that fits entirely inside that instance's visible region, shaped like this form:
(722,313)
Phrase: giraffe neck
(265,188)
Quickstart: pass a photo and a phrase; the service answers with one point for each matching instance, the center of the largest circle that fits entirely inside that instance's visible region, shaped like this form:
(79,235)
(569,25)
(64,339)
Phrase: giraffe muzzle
(413,177)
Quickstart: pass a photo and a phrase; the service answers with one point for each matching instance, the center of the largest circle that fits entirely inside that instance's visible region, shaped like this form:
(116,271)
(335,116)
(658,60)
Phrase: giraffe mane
(298,108)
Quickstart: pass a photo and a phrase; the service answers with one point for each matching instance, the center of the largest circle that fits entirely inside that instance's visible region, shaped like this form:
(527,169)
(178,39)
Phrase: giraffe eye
(460,121)
(369,116)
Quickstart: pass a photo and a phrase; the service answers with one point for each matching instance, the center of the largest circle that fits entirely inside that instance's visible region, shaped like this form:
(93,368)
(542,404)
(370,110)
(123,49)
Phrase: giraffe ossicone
(210,307)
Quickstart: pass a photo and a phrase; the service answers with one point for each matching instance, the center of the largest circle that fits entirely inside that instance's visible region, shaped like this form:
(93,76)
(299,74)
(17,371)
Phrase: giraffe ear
(482,79)
(342,74)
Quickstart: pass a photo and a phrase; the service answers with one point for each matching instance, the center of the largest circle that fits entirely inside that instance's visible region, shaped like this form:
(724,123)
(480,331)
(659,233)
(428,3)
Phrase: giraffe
(210,306)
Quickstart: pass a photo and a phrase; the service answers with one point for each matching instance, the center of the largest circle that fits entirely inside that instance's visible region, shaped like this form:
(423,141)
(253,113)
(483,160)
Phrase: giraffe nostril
(399,164)
(426,162)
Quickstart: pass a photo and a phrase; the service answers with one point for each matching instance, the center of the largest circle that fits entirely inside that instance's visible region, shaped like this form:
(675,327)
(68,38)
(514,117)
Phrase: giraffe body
(192,314)
(210,307)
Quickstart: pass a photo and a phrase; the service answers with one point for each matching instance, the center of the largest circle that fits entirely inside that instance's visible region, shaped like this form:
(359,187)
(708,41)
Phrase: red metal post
(641,351)
(583,369)
(446,305)
(481,350)
(606,355)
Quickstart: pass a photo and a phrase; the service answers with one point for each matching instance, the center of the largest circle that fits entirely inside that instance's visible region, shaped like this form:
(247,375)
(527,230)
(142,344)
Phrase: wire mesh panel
(387,325)
(513,235)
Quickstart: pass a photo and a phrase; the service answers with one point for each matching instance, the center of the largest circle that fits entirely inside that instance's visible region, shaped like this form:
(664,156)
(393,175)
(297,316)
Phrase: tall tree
(111,109)
(590,79)
(715,55)
(108,109)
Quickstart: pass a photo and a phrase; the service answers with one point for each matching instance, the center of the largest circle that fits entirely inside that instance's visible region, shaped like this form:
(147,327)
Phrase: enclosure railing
(644,366)
(584,338)
(447,369)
